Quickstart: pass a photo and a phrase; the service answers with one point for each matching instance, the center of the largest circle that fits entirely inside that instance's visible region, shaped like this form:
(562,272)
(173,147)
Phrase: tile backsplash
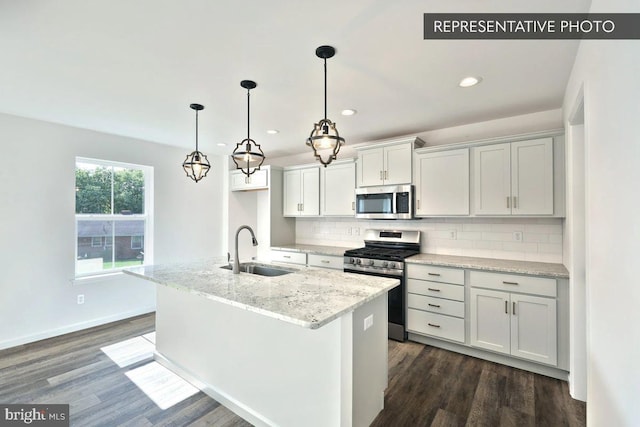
(526,239)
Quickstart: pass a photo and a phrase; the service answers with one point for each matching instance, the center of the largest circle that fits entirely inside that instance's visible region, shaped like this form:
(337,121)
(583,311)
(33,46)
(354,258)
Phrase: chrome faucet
(236,262)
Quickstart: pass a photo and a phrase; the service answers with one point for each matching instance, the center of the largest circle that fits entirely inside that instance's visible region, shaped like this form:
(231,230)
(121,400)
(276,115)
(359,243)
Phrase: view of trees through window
(110,216)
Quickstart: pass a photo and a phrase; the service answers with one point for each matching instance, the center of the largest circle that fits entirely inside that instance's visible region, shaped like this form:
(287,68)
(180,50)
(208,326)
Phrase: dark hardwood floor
(427,387)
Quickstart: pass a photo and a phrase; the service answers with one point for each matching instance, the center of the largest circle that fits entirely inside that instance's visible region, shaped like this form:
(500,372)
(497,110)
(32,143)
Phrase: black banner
(531,26)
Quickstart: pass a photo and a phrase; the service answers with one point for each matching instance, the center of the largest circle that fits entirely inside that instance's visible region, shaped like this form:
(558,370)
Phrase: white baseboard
(74,327)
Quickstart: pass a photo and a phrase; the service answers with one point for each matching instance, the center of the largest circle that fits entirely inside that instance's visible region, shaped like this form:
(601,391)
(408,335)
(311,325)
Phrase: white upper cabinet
(442,183)
(258,180)
(514,178)
(387,165)
(337,189)
(532,177)
(301,192)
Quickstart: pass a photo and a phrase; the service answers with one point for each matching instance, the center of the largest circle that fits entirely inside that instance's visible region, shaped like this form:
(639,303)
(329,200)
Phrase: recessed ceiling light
(348,112)
(273,131)
(469,81)
(221,144)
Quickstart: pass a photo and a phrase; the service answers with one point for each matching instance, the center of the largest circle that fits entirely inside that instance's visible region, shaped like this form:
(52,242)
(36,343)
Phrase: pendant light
(324,135)
(196,164)
(248,155)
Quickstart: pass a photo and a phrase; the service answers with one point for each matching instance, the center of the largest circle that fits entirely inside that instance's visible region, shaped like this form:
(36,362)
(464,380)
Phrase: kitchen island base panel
(272,372)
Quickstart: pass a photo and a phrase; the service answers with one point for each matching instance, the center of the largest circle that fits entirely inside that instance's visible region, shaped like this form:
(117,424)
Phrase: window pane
(128,191)
(94,251)
(129,243)
(93,189)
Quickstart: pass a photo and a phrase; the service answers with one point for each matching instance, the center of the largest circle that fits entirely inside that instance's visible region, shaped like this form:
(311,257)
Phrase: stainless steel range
(383,255)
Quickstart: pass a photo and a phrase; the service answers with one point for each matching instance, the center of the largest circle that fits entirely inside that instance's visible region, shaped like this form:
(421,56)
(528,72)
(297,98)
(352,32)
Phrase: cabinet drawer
(436,305)
(435,289)
(513,283)
(291,257)
(450,328)
(435,274)
(326,261)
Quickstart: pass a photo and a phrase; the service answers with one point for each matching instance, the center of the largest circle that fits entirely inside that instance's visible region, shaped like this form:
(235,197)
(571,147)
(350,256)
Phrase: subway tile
(520,247)
(487,245)
(496,236)
(476,227)
(543,228)
(555,238)
(535,237)
(550,248)
(469,235)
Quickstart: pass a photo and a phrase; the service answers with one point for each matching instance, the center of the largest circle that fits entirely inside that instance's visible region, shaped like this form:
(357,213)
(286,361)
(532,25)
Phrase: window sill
(97,278)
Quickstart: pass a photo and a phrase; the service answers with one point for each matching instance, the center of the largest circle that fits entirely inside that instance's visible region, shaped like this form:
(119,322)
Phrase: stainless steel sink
(261,269)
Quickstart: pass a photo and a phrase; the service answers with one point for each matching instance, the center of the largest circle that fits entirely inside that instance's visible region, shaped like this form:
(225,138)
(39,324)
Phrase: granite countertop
(309,297)
(558,271)
(312,249)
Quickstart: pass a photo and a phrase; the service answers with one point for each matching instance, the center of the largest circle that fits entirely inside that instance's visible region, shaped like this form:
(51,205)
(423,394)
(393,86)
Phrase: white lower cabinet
(435,301)
(516,324)
(291,257)
(325,261)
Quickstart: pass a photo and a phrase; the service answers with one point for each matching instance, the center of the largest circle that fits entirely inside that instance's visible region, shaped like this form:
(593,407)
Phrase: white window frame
(147,217)
(139,245)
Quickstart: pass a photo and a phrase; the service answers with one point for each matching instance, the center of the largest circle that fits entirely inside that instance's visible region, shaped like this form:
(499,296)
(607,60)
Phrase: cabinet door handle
(506,307)
(434,290)
(434,274)
(286,256)
(324,261)
(513,310)
(515,202)
(353,206)
(418,204)
(381,176)
(386,174)
(433,326)
(434,305)
(509,283)
(508,204)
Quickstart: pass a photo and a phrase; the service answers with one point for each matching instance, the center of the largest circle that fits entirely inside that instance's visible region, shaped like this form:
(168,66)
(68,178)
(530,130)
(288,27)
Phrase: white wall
(37,205)
(608,71)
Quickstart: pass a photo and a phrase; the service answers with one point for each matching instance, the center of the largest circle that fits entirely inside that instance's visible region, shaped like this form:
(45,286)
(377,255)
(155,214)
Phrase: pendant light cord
(196,130)
(248,112)
(325,89)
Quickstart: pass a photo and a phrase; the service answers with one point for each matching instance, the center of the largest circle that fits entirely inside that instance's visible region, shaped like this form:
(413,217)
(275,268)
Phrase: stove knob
(352,260)
(385,264)
(358,261)
(370,262)
(392,265)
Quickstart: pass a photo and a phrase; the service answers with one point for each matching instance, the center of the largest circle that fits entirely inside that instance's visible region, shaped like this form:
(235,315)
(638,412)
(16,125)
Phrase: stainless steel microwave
(385,202)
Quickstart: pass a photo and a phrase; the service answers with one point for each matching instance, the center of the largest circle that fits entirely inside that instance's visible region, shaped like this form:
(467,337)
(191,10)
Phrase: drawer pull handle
(434,274)
(324,261)
(509,283)
(506,307)
(433,290)
(514,309)
(433,326)
(286,256)
(434,305)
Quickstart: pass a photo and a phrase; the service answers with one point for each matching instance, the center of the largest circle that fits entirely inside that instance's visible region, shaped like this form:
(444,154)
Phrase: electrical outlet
(368,322)
(80,299)
(349,232)
(453,234)
(356,231)
(517,236)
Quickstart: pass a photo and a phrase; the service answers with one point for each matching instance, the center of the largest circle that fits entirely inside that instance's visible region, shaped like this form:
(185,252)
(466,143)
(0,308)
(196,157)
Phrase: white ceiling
(132,67)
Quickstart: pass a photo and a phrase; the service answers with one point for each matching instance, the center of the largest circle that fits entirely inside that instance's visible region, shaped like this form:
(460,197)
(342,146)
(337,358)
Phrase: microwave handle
(394,202)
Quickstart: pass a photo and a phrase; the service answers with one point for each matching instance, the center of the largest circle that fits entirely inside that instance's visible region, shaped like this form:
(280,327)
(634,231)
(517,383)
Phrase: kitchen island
(305,348)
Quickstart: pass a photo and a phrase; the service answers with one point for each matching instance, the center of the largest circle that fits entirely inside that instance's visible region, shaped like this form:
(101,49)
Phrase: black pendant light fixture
(324,135)
(196,164)
(248,155)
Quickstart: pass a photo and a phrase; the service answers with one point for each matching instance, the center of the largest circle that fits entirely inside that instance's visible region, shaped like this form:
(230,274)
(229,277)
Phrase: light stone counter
(312,249)
(309,297)
(490,264)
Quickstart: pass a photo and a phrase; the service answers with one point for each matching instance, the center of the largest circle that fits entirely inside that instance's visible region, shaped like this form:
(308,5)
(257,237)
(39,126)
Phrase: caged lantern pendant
(324,135)
(196,164)
(248,155)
